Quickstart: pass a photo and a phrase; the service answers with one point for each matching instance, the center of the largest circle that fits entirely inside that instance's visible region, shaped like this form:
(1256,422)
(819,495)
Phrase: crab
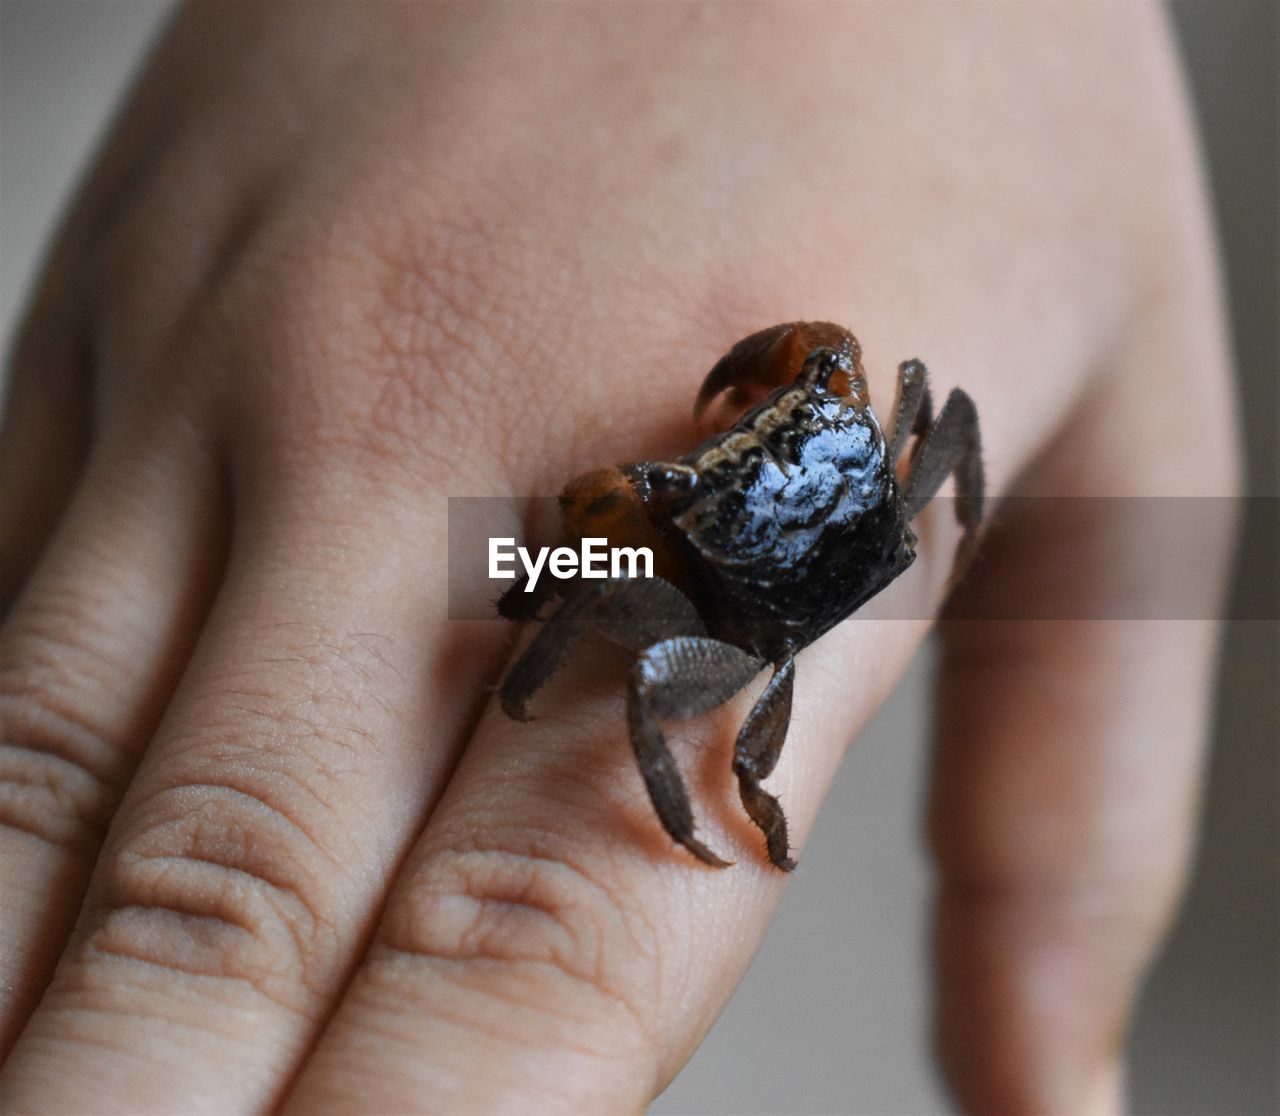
(764,537)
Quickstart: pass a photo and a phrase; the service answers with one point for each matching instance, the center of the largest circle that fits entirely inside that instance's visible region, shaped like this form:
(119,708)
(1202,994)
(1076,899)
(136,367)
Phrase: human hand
(341,262)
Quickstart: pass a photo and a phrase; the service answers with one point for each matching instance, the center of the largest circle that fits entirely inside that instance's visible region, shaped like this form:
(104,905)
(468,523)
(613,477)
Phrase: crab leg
(756,755)
(951,444)
(679,678)
(913,408)
(516,604)
(634,613)
(544,656)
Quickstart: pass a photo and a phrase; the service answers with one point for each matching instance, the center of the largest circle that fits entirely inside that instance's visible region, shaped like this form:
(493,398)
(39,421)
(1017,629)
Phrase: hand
(267,841)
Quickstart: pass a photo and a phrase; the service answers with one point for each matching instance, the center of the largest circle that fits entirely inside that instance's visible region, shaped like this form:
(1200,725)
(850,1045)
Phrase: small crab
(764,537)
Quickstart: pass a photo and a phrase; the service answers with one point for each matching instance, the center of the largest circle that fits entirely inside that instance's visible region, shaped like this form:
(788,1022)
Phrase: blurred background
(833,1016)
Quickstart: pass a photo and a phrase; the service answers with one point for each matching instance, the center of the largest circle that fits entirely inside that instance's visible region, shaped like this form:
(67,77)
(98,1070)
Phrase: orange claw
(772,358)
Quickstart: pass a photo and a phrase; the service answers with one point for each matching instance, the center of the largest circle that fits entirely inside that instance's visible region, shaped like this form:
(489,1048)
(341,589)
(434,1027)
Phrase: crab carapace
(765,536)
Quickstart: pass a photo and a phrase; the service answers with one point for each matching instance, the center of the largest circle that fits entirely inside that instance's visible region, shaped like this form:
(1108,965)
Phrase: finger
(547,941)
(1062,823)
(44,438)
(117,248)
(46,427)
(250,855)
(87,659)
(1070,749)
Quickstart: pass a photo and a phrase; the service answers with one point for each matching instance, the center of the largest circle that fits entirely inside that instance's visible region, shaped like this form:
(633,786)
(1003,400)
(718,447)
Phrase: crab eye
(672,478)
(820,365)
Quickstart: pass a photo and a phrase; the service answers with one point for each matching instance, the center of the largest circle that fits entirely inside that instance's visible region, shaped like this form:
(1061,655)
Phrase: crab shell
(778,527)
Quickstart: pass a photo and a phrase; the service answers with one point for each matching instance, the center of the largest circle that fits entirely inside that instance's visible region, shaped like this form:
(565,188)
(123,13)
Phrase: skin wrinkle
(256,800)
(38,723)
(485,875)
(366,640)
(298,892)
(173,1029)
(184,915)
(520,1075)
(251,954)
(93,702)
(58,763)
(586,793)
(531,880)
(43,626)
(434,904)
(449,968)
(51,799)
(543,845)
(281,941)
(278,886)
(115,1034)
(42,637)
(210,823)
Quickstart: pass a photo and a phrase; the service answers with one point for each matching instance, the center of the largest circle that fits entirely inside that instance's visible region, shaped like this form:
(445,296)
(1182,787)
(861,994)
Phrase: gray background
(842,977)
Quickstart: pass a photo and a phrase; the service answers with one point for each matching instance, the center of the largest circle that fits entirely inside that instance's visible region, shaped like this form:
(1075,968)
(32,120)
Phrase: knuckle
(52,785)
(229,864)
(496,905)
(468,909)
(1133,901)
(221,879)
(371,332)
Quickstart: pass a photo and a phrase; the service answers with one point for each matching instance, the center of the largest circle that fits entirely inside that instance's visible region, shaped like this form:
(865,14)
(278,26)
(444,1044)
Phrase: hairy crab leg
(634,613)
(756,755)
(951,445)
(912,409)
(674,679)
(545,655)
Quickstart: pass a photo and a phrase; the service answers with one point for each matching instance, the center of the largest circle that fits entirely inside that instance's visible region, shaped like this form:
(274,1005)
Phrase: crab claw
(758,361)
(772,358)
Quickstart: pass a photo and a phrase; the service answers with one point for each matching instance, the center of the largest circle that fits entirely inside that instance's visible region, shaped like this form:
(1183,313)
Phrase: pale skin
(268,842)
